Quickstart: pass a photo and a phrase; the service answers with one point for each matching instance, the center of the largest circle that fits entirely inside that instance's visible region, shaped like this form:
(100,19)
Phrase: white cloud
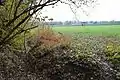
(107,10)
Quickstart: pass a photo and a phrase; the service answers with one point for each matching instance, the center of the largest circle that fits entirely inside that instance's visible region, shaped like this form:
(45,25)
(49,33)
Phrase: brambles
(84,58)
(102,49)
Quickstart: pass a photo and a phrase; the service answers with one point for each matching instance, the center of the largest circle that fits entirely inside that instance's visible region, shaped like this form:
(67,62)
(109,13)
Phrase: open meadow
(104,30)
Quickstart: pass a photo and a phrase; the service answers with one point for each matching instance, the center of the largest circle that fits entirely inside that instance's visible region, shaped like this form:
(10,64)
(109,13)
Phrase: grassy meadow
(107,30)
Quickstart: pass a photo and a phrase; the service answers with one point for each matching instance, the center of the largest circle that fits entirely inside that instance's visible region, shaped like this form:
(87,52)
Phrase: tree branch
(16,8)
(27,10)
(7,36)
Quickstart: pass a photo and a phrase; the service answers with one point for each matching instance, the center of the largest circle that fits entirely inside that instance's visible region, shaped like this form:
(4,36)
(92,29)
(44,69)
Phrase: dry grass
(51,39)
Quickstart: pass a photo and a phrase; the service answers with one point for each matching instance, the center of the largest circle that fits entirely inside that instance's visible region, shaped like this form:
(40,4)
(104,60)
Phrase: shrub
(50,39)
(112,52)
(56,62)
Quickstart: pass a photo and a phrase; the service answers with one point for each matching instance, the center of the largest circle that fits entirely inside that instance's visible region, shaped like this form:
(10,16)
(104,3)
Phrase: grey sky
(106,10)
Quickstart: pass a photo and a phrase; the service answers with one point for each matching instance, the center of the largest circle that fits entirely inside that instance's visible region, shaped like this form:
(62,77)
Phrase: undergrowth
(54,56)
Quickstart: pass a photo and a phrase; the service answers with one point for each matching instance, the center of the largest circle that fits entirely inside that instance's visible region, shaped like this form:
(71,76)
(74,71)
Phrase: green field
(108,30)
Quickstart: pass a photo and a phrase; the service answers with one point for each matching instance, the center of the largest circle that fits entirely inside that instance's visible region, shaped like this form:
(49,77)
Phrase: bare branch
(16,8)
(7,36)
(29,9)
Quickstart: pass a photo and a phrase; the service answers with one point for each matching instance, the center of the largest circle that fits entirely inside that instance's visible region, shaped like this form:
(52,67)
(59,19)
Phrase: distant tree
(83,23)
(50,19)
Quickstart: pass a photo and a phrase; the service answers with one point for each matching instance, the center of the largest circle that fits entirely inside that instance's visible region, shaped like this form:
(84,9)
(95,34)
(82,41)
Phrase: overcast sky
(105,10)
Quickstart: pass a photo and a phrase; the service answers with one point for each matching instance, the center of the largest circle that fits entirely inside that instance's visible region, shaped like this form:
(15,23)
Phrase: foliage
(54,64)
(113,54)
(84,59)
(99,48)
